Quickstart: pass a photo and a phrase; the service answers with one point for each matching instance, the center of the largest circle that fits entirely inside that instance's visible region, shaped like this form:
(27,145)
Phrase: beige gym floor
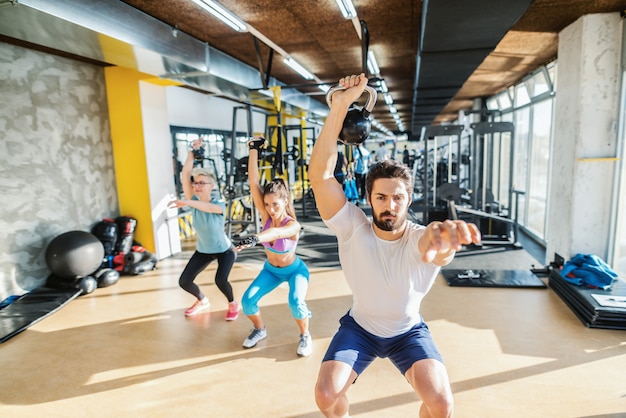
(128,350)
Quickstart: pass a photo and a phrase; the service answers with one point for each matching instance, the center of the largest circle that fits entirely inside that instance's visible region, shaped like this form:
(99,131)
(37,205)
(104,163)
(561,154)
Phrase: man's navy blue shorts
(358,348)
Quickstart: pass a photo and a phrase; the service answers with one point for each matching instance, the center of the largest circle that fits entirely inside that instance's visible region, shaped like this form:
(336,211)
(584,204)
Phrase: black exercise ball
(74,254)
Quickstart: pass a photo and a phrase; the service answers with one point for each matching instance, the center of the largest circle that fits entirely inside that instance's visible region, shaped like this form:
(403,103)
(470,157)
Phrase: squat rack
(287,149)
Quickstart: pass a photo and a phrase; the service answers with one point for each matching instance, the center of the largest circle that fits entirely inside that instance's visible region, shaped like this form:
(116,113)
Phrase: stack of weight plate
(596,308)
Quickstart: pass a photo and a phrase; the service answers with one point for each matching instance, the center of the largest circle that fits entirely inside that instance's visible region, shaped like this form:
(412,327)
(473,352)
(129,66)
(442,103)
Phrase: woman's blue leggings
(296,275)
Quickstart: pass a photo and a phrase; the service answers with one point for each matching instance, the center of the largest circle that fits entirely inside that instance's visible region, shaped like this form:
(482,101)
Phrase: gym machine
(436,188)
(491,181)
(236,169)
(280,158)
(298,155)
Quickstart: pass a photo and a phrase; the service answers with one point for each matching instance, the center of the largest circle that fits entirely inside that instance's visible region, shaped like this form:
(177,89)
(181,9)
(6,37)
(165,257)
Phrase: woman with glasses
(279,237)
(212,243)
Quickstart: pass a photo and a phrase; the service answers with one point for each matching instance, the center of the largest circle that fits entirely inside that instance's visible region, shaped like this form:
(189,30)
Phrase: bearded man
(390,264)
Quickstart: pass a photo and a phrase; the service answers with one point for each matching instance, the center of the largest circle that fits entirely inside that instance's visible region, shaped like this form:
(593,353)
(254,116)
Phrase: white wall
(160,165)
(196,110)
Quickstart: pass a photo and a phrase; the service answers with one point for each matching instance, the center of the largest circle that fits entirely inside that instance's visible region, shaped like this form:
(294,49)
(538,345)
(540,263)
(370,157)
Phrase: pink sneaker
(197,307)
(233,311)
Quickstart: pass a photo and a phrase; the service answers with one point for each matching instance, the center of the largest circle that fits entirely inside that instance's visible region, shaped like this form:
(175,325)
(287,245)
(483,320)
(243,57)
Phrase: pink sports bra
(281,245)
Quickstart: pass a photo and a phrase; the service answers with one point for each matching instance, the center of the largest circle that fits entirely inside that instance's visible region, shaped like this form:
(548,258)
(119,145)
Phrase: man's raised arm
(329,195)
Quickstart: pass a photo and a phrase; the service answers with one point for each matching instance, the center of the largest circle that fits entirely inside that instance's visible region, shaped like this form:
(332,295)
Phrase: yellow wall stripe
(127,135)
(185,226)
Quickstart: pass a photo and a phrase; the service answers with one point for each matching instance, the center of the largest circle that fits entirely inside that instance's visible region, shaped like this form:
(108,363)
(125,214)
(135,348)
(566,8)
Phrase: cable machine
(298,155)
(431,210)
(235,169)
(280,158)
(491,180)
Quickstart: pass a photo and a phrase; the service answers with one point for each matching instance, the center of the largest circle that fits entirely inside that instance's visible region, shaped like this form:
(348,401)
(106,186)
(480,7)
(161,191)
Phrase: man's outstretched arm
(441,240)
(329,195)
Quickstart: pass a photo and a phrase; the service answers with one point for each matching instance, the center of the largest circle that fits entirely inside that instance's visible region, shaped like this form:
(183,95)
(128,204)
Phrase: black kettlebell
(357,124)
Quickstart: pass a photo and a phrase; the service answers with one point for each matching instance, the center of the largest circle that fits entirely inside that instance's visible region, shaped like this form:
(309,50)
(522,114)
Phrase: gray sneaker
(255,336)
(305,347)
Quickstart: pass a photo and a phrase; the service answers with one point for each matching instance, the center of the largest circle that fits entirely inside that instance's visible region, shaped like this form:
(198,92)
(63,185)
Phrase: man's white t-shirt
(388,279)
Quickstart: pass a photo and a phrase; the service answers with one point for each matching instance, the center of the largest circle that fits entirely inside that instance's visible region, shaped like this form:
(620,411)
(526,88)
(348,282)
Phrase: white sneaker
(255,336)
(305,347)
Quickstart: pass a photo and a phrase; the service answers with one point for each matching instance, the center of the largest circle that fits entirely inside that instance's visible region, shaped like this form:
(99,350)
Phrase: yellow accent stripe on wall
(129,155)
(163,82)
(596,160)
(119,52)
(185,226)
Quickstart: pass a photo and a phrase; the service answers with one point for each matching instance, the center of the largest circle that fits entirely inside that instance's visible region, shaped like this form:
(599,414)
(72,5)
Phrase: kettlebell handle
(369,104)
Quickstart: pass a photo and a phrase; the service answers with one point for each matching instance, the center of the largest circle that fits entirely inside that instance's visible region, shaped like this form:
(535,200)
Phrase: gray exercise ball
(74,254)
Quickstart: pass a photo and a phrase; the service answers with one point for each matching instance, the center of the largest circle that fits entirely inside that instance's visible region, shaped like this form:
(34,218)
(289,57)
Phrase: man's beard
(388,224)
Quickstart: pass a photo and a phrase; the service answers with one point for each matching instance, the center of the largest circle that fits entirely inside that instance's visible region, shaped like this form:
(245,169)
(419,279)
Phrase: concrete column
(584,146)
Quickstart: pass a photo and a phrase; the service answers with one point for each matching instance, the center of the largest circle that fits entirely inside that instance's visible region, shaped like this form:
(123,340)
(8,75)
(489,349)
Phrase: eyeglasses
(200,183)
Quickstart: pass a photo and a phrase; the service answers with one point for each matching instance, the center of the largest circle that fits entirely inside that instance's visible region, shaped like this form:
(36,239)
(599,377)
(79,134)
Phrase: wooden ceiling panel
(529,43)
(315,34)
(555,15)
(495,63)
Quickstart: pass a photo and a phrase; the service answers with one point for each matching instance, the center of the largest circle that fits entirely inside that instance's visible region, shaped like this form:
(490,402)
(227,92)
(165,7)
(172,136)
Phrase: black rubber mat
(32,308)
(586,307)
(492,278)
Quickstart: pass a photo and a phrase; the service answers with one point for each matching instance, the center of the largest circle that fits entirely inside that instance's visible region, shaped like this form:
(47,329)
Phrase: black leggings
(198,262)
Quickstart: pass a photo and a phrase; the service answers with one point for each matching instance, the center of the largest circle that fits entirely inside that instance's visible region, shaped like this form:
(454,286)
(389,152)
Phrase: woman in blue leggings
(279,236)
